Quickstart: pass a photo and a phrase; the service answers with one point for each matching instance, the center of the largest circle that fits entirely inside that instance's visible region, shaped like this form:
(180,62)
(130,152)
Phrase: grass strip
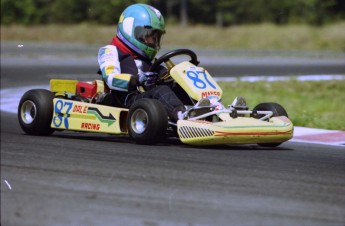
(253,37)
(315,104)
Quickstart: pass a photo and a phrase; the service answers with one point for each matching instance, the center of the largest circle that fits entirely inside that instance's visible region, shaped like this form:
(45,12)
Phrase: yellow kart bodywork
(239,130)
(198,83)
(82,116)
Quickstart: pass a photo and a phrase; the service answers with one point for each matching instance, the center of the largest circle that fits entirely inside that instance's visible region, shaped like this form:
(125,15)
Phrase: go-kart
(80,106)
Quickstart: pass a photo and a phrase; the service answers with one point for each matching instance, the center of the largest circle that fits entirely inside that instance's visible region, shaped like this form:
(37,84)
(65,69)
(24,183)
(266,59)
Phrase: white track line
(258,78)
(319,136)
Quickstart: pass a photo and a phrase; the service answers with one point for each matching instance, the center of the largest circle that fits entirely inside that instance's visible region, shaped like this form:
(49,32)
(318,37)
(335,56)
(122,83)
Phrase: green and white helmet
(139,22)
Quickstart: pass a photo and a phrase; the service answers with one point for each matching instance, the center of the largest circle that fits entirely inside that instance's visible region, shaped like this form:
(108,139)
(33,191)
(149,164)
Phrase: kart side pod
(77,110)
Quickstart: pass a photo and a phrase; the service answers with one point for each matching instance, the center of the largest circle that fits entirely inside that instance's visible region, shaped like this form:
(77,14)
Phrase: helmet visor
(148,36)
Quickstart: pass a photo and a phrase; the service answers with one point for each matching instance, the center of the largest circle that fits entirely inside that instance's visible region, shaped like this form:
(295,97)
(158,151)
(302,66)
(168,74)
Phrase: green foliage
(76,10)
(222,12)
(24,11)
(280,12)
(108,11)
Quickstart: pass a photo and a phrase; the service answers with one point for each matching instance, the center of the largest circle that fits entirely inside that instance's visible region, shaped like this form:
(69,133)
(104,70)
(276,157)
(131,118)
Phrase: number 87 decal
(58,108)
(198,82)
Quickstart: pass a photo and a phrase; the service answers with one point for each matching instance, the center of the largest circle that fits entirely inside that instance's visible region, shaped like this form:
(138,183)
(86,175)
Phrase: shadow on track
(166,142)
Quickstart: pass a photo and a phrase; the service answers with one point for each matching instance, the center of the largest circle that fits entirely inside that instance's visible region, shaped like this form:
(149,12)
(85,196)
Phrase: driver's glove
(148,79)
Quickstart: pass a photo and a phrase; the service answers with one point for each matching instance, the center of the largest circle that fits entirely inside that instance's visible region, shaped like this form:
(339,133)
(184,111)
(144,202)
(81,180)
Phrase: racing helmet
(141,27)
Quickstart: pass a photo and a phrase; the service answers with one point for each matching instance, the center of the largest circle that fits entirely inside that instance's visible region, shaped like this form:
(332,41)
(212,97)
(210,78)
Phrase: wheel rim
(28,112)
(139,121)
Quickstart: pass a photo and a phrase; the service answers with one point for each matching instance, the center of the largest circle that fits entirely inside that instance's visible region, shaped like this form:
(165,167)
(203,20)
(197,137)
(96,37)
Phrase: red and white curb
(319,136)
(10,99)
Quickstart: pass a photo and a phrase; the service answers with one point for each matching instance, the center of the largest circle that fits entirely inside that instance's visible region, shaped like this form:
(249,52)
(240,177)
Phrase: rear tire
(147,121)
(277,110)
(35,112)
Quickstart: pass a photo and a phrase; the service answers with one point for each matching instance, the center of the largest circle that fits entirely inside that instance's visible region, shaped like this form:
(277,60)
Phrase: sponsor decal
(64,111)
(79,109)
(90,126)
(210,93)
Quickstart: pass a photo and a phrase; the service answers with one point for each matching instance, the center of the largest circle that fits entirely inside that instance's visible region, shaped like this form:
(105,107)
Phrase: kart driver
(124,63)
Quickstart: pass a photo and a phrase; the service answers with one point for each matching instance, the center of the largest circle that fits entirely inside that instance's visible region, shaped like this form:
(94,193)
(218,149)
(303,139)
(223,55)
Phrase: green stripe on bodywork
(104,119)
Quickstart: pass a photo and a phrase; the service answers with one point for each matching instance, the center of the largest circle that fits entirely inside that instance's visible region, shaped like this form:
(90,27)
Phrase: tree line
(220,12)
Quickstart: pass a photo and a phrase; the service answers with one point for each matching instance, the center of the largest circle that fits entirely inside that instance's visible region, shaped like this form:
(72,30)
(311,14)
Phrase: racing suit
(121,69)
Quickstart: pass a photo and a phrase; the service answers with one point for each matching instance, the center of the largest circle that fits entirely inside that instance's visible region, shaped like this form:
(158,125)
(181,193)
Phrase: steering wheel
(166,58)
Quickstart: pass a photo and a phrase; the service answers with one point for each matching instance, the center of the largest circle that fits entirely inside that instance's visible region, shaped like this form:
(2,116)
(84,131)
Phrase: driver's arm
(108,59)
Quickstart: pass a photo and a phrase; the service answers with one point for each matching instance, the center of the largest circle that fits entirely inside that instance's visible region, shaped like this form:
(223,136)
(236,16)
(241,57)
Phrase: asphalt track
(88,179)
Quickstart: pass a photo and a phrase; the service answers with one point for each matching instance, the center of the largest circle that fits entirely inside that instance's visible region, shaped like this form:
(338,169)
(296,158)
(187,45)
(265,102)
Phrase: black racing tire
(147,121)
(277,110)
(35,112)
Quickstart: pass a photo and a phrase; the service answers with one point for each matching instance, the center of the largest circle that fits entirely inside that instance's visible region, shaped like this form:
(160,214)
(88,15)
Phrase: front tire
(147,121)
(277,110)
(35,112)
